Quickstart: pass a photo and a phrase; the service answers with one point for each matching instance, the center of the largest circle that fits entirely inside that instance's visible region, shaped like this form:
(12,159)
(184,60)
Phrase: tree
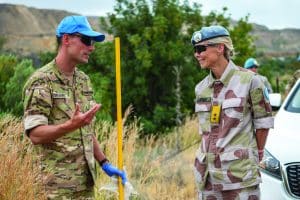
(46,57)
(7,68)
(13,96)
(243,42)
(155,37)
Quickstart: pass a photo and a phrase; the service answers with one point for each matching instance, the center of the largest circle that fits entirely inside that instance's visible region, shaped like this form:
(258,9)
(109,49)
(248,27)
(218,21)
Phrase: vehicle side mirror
(275,100)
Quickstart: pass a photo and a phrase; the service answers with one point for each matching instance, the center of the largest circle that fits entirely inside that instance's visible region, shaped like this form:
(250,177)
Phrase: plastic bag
(113,187)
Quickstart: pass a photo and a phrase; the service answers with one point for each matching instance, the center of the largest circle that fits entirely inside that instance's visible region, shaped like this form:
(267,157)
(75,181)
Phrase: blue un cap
(78,24)
(250,62)
(207,33)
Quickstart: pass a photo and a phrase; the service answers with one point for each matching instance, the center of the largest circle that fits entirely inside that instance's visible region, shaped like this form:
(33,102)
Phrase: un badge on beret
(197,37)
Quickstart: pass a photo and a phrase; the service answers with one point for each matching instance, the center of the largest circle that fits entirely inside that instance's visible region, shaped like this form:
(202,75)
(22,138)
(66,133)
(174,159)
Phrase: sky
(275,14)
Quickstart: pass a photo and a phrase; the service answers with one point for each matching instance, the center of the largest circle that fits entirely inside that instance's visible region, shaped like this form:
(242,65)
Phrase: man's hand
(80,119)
(44,134)
(111,170)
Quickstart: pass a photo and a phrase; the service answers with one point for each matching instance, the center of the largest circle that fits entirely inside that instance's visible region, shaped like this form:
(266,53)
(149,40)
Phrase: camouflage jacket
(227,158)
(49,99)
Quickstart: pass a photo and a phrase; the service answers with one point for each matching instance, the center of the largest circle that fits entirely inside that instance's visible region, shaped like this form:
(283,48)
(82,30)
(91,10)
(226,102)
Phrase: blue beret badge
(197,37)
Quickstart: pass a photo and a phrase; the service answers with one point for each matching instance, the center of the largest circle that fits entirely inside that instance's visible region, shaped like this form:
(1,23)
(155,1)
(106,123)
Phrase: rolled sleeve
(33,121)
(264,123)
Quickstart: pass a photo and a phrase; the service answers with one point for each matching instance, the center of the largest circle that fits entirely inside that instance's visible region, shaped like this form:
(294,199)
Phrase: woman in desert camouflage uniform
(234,118)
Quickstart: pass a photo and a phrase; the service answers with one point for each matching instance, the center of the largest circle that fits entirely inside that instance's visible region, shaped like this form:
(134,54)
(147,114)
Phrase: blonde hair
(229,49)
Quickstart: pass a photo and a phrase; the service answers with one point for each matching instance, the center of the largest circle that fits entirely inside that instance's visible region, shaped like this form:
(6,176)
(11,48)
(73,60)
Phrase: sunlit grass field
(18,171)
(157,168)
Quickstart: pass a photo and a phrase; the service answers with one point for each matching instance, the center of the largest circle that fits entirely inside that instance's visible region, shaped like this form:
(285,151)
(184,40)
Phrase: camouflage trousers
(63,194)
(248,193)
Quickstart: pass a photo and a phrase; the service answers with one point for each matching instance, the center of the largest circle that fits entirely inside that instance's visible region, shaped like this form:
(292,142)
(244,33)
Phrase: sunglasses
(200,48)
(254,66)
(86,40)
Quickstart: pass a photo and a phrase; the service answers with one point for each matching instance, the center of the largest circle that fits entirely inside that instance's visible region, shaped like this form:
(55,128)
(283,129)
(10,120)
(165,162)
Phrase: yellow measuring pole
(119,115)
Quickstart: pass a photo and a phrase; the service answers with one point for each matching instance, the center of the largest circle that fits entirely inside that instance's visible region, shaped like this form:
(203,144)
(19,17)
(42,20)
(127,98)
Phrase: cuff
(33,121)
(264,123)
(103,161)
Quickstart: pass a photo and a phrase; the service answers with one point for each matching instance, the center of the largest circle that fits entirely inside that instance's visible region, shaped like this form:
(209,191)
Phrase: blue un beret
(78,24)
(250,62)
(209,32)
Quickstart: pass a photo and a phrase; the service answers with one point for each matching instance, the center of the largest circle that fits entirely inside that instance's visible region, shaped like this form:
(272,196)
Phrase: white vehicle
(280,167)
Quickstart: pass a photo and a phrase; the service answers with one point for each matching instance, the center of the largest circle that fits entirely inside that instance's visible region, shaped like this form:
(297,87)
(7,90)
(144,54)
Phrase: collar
(59,75)
(226,76)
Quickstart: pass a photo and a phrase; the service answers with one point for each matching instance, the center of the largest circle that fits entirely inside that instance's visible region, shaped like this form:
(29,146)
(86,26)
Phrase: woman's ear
(220,49)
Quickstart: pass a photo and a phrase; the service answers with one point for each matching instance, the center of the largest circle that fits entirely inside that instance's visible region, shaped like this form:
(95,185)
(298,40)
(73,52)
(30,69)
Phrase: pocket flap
(87,92)
(232,103)
(234,154)
(203,107)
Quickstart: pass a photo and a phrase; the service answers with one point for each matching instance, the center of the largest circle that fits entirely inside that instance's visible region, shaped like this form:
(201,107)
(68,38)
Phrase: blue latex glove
(111,170)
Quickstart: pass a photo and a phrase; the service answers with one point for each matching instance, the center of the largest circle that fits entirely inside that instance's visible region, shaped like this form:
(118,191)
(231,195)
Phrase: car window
(293,104)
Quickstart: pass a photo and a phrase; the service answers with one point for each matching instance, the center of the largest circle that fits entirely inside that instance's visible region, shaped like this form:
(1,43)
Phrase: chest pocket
(86,99)
(62,102)
(203,110)
(233,110)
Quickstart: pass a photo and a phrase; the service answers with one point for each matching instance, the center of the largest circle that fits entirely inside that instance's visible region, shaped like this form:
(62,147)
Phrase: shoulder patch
(266,94)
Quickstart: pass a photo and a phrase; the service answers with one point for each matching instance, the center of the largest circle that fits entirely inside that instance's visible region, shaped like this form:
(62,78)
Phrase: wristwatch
(103,161)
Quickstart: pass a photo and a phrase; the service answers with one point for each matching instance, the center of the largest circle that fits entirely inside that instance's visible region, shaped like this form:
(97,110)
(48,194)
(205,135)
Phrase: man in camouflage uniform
(252,65)
(234,118)
(58,115)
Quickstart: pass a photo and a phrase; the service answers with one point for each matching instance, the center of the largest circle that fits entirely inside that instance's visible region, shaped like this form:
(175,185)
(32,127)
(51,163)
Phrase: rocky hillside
(282,42)
(29,30)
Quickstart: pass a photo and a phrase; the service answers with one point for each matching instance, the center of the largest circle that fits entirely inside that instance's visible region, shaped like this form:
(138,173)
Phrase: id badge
(215,114)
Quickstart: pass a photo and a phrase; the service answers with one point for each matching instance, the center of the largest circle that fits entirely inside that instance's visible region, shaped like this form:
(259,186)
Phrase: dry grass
(18,170)
(157,167)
